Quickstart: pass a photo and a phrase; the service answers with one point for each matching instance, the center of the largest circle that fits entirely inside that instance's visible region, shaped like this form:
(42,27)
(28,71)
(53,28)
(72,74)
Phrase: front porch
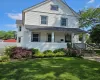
(50,38)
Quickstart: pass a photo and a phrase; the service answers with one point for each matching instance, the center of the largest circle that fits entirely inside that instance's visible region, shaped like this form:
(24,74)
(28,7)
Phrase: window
(54,7)
(35,37)
(19,39)
(64,21)
(49,37)
(20,28)
(44,19)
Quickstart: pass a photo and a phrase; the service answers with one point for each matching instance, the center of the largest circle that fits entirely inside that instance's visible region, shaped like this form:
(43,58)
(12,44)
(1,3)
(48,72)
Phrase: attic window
(54,7)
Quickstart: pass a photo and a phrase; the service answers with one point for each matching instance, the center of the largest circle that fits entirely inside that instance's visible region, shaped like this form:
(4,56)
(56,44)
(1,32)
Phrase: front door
(49,37)
(67,38)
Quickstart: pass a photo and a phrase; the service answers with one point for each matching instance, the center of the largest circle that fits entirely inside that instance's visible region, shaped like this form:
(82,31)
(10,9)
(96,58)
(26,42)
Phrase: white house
(48,25)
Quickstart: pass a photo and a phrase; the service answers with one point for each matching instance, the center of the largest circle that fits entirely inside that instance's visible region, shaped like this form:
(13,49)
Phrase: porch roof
(74,30)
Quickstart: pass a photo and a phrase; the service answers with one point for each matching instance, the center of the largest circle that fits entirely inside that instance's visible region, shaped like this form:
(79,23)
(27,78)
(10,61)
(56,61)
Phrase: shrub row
(4,58)
(19,53)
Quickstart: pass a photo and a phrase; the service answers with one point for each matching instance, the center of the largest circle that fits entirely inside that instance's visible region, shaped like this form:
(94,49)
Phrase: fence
(5,44)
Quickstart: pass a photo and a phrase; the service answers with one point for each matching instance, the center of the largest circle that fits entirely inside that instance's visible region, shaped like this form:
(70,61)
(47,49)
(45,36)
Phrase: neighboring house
(48,25)
(10,40)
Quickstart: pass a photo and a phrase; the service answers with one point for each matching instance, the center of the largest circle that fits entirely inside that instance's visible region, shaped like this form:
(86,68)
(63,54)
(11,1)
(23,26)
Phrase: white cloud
(11,25)
(15,16)
(91,1)
(98,6)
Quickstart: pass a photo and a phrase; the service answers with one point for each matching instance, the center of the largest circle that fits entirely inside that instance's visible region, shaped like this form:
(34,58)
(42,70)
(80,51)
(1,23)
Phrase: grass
(50,69)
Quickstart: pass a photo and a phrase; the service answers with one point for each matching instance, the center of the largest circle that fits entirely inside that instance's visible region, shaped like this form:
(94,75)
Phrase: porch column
(52,36)
(83,38)
(72,39)
(30,36)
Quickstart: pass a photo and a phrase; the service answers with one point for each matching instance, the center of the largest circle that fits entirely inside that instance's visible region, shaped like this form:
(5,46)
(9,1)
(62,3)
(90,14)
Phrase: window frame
(20,28)
(44,22)
(19,39)
(32,37)
(66,24)
(54,7)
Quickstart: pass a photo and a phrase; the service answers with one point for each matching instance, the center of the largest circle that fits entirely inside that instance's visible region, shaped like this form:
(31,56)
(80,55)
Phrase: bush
(4,58)
(35,52)
(69,45)
(49,54)
(47,51)
(38,55)
(58,54)
(8,51)
(18,52)
(59,50)
(73,53)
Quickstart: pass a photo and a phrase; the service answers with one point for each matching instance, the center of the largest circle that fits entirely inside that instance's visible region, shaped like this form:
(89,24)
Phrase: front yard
(50,69)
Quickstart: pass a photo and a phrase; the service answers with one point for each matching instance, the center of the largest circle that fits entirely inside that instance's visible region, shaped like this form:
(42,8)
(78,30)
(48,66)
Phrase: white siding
(42,46)
(32,17)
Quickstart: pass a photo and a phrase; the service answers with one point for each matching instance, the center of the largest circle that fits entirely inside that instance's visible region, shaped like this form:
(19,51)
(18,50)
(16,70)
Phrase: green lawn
(50,69)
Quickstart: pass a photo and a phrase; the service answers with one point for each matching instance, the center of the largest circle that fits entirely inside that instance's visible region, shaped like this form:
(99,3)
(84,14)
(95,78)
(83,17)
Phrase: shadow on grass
(50,69)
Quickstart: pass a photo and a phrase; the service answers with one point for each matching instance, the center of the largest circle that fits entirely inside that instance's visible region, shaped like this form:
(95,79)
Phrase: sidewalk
(94,58)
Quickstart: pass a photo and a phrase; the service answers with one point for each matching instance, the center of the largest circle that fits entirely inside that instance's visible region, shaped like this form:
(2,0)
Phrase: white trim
(53,37)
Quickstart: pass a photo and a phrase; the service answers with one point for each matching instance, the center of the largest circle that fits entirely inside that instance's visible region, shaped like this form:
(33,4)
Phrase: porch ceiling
(74,30)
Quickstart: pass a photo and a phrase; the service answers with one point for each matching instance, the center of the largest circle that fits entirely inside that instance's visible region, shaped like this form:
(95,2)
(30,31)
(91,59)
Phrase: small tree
(95,34)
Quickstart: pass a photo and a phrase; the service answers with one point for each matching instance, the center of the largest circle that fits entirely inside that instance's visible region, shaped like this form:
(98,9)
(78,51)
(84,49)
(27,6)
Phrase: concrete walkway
(94,58)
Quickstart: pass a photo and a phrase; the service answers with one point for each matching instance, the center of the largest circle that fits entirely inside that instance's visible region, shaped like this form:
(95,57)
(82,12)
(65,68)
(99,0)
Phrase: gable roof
(46,1)
(37,5)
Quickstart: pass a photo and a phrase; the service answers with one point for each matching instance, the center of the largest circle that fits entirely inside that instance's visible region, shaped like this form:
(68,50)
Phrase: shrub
(4,58)
(18,52)
(47,51)
(8,50)
(69,45)
(38,55)
(59,50)
(73,53)
(49,54)
(58,54)
(35,51)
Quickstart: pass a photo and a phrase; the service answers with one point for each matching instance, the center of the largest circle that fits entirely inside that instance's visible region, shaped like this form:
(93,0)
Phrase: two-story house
(48,25)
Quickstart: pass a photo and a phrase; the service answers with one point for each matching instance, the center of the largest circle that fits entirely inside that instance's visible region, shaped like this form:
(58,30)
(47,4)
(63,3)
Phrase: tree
(7,35)
(89,17)
(95,34)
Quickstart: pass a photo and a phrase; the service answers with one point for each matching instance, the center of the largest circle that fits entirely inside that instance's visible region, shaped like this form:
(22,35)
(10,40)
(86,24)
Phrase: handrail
(87,45)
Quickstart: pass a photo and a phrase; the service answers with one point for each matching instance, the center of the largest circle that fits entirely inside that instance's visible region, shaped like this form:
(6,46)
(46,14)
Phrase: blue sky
(10,10)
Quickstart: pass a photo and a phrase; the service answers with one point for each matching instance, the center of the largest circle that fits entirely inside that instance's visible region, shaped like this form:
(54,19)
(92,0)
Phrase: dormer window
(54,7)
